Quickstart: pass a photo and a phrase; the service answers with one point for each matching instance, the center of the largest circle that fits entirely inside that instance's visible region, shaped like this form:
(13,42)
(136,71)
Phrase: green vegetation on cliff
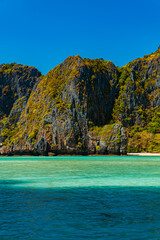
(83,105)
(69,96)
(138,103)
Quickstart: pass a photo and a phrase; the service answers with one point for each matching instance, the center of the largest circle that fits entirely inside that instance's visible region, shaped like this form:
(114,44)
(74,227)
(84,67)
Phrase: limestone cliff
(16,81)
(16,84)
(82,106)
(138,104)
(71,97)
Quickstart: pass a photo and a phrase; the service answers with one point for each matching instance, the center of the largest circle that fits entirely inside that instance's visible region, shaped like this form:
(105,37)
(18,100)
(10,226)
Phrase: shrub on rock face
(117,143)
(109,139)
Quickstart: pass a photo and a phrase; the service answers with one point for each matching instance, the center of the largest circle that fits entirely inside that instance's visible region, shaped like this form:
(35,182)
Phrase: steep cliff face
(138,104)
(76,94)
(82,106)
(16,84)
(139,89)
(16,81)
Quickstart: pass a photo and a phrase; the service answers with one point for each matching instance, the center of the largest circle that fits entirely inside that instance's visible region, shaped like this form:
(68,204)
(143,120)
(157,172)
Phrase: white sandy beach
(143,154)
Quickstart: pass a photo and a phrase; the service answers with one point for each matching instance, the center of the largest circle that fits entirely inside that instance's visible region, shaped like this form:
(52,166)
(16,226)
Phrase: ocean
(65,198)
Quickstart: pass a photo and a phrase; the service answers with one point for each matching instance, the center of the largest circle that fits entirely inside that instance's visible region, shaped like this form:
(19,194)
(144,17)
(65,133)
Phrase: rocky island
(82,106)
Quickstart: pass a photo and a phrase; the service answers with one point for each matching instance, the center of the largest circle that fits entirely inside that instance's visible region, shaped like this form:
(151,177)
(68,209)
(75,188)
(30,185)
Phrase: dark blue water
(80,213)
(99,198)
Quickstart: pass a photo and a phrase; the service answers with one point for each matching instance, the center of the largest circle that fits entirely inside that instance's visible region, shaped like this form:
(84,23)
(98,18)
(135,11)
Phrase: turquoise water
(79,198)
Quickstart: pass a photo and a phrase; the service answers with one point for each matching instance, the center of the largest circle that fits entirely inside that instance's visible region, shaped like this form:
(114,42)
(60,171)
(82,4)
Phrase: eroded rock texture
(82,106)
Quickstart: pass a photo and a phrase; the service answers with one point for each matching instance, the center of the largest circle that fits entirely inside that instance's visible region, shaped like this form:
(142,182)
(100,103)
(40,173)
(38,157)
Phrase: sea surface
(79,198)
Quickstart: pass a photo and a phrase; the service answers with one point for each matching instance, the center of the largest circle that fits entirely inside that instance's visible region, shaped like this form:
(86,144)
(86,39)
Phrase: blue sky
(44,33)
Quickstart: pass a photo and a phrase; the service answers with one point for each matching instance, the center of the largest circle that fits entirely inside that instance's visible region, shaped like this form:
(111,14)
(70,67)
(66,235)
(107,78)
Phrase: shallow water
(79,198)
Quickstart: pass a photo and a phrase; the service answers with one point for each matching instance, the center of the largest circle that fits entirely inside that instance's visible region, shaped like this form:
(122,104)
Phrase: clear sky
(43,33)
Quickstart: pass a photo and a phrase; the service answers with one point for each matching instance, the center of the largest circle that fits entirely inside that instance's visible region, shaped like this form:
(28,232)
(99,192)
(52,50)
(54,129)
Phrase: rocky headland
(82,106)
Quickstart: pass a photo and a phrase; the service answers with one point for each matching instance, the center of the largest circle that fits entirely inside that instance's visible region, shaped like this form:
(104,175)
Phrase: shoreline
(63,155)
(89,155)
